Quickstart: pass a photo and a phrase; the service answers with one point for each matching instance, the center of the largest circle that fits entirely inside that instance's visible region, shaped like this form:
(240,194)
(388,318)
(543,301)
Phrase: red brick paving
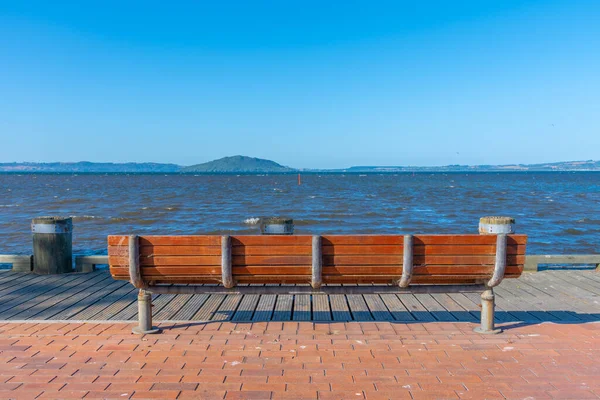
(299,360)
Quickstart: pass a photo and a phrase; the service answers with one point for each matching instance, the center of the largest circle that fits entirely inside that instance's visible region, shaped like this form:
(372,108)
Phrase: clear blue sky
(308,84)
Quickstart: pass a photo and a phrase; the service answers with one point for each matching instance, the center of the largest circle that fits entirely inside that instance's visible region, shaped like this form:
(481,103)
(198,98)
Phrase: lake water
(559,211)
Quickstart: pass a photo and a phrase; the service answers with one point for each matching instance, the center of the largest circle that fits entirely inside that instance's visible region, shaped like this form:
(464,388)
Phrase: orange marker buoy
(299,180)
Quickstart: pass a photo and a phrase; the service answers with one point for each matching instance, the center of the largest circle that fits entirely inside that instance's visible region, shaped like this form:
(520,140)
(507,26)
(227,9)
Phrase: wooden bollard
(52,245)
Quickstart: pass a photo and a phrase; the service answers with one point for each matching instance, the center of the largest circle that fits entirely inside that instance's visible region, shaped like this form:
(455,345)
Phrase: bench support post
(487,313)
(226,272)
(407,263)
(145,314)
(317,263)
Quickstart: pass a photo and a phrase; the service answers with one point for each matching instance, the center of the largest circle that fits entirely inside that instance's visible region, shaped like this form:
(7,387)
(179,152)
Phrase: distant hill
(588,165)
(242,164)
(88,167)
(238,164)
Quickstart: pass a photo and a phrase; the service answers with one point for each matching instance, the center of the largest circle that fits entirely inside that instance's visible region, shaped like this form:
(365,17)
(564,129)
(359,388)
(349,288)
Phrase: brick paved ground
(291,360)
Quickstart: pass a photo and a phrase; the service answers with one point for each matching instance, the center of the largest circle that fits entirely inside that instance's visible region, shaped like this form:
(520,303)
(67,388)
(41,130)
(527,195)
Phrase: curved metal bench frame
(316,286)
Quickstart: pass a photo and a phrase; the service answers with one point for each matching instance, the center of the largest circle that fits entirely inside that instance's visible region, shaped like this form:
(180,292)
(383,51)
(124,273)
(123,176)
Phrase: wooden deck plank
(43,293)
(209,307)
(435,308)
(591,275)
(265,308)
(173,306)
(158,304)
(339,308)
(120,304)
(283,308)
(191,307)
(7,273)
(538,303)
(506,310)
(321,309)
(514,298)
(246,308)
(454,308)
(89,300)
(396,308)
(562,304)
(227,309)
(377,307)
(101,307)
(302,308)
(51,305)
(30,290)
(358,308)
(582,285)
(415,307)
(587,302)
(76,298)
(18,280)
(467,304)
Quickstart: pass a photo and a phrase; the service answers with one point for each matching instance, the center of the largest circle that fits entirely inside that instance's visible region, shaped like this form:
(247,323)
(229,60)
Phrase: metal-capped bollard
(52,245)
(277,226)
(496,225)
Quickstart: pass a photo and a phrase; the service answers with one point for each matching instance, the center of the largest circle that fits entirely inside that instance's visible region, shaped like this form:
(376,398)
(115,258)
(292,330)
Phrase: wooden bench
(329,264)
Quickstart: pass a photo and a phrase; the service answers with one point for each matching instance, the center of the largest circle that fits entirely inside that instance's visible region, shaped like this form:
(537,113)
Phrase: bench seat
(346,259)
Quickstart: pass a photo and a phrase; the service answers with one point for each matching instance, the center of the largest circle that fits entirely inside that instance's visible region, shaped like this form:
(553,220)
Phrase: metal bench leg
(487,314)
(145,314)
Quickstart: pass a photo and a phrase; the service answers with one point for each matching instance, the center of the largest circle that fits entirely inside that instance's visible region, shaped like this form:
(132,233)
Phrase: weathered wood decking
(567,296)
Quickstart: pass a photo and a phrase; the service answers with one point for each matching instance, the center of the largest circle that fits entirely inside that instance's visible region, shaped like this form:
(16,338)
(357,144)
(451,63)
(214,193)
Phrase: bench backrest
(348,259)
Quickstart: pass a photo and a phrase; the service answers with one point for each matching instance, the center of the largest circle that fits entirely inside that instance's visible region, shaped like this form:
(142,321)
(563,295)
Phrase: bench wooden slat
(327,250)
(180,251)
(180,260)
(485,249)
(192,260)
(283,250)
(418,249)
(374,270)
(337,240)
(466,239)
(418,260)
(366,279)
(192,240)
(271,240)
(386,270)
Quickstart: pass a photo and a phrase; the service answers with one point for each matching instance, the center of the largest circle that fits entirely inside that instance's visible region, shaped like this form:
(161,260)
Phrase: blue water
(559,211)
